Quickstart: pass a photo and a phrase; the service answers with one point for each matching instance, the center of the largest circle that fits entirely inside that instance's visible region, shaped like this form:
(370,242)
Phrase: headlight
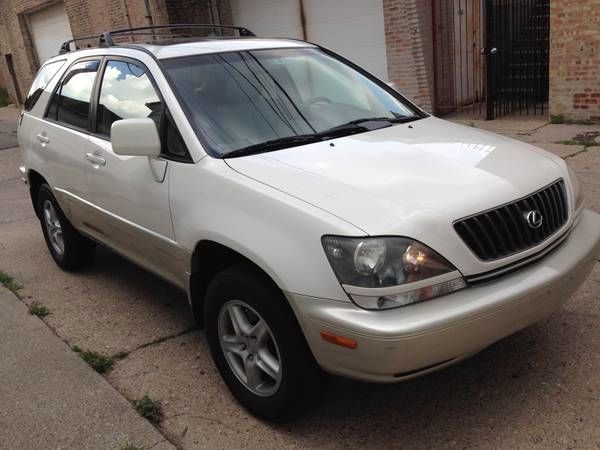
(577,192)
(388,272)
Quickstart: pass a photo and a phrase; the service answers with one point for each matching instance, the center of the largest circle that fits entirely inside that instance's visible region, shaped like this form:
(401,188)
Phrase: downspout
(148,13)
(302,19)
(149,16)
(124,2)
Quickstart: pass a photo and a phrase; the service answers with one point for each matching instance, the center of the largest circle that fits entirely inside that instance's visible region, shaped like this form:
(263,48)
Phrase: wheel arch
(35,181)
(208,259)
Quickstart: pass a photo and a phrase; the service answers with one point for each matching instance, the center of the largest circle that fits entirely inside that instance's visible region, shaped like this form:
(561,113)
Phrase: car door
(62,137)
(130,193)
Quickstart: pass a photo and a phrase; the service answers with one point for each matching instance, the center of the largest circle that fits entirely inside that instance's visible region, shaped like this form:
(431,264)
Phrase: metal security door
(517,48)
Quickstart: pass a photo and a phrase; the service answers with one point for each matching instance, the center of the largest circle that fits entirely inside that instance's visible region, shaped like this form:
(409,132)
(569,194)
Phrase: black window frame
(165,115)
(58,87)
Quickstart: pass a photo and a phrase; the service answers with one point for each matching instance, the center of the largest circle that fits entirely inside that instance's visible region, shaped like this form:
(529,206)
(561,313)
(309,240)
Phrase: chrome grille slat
(555,210)
(504,230)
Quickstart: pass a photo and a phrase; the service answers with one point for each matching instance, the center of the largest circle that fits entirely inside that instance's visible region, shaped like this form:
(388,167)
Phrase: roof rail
(66,46)
(106,38)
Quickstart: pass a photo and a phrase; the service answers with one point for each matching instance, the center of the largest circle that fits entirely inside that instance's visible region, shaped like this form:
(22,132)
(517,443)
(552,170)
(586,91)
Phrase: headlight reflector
(388,272)
(369,256)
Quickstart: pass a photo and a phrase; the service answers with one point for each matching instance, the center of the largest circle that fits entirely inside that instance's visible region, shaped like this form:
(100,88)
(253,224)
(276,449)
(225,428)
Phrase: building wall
(574,42)
(575,59)
(408,35)
(91,17)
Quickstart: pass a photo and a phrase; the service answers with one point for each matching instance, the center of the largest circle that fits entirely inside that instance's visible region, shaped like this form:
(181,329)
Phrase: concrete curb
(53,399)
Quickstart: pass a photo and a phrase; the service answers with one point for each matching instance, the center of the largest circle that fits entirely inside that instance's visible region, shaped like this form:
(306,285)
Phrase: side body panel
(131,213)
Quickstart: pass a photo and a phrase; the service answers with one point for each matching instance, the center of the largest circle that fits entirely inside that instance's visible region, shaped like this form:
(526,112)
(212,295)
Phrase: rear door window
(71,102)
(42,79)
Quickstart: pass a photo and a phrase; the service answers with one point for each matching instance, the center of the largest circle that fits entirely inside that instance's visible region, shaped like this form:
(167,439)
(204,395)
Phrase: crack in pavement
(125,353)
(208,419)
(585,149)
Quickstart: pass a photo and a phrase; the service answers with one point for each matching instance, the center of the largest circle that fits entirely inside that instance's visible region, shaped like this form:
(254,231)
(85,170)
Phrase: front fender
(279,233)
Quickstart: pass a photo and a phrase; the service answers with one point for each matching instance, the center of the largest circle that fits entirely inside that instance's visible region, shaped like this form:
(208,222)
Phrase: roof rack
(66,46)
(106,38)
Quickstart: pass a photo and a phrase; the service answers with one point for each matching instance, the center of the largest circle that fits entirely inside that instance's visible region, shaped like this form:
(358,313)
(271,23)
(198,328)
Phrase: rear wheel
(69,249)
(258,346)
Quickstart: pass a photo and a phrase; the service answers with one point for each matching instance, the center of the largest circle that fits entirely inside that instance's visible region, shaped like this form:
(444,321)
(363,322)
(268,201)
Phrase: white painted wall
(269,18)
(352,28)
(49,29)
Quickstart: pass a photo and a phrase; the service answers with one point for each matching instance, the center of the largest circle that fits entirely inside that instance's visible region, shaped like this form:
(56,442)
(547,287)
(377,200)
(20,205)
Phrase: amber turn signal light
(339,340)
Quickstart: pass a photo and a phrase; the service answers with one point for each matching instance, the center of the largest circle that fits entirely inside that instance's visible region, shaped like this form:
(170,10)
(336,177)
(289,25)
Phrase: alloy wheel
(250,348)
(54,228)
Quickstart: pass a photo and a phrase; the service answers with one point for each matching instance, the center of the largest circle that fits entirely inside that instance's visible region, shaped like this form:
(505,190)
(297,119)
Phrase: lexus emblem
(534,219)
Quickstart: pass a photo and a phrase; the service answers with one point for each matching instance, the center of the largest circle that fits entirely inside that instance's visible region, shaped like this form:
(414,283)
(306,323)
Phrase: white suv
(316,218)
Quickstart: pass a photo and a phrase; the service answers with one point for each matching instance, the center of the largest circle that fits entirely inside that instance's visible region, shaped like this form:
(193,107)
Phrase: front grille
(505,230)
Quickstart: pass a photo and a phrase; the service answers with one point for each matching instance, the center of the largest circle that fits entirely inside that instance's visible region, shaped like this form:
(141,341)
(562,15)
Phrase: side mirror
(135,137)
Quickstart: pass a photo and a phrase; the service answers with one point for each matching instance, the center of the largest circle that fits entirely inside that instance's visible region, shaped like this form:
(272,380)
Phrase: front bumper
(403,343)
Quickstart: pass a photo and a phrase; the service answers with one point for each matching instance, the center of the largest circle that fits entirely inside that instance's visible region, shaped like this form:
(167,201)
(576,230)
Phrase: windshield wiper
(390,120)
(296,140)
(346,129)
(274,144)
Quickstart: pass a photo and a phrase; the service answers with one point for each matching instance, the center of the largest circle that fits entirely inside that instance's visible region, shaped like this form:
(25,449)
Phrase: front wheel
(258,346)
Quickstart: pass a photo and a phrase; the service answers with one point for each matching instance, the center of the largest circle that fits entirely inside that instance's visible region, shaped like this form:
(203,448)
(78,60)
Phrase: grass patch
(579,143)
(587,139)
(10,283)
(132,447)
(100,363)
(37,309)
(149,409)
(570,142)
(557,119)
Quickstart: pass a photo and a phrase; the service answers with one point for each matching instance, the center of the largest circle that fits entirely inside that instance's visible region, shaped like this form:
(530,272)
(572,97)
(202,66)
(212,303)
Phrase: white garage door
(49,29)
(352,28)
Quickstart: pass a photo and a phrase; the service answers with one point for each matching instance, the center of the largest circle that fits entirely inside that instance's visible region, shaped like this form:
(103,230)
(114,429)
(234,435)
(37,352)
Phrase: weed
(557,119)
(100,363)
(587,139)
(149,409)
(570,142)
(10,283)
(132,447)
(37,309)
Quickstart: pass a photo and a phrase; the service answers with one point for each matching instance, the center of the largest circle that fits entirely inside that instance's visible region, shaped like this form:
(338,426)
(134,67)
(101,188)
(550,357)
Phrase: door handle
(95,159)
(43,139)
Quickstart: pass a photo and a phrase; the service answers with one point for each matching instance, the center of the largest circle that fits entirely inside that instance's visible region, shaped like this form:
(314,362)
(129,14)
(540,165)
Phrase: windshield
(242,100)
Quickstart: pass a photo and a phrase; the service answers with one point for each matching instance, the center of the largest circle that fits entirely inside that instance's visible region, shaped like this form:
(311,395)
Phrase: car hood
(410,179)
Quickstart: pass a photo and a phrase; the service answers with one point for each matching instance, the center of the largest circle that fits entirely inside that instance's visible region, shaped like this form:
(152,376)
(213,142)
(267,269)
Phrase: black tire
(78,251)
(301,380)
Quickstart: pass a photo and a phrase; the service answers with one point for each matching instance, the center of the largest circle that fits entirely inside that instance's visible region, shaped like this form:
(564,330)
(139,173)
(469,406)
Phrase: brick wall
(408,35)
(575,59)
(88,17)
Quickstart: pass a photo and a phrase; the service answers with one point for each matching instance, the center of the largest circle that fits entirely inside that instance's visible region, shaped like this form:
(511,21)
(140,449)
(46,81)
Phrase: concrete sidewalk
(51,399)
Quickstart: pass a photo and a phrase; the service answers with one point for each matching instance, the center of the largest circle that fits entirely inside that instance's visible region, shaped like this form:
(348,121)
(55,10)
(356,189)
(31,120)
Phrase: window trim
(59,85)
